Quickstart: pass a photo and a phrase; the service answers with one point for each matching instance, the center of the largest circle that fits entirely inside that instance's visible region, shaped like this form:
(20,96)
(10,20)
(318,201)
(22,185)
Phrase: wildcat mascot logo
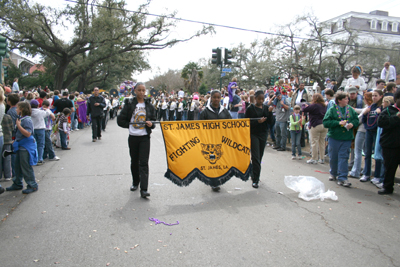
(211,152)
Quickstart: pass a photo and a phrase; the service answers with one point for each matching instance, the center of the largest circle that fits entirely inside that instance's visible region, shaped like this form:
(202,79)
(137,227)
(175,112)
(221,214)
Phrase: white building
(21,62)
(372,27)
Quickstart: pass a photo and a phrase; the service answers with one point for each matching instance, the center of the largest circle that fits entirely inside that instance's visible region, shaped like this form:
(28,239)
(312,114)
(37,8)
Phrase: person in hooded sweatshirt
(215,111)
(389,121)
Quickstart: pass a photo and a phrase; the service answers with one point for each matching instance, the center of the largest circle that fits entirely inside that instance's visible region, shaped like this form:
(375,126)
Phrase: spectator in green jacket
(340,120)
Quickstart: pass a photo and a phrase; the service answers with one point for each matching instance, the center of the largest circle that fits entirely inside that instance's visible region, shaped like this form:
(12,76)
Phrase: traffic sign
(227,70)
(223,74)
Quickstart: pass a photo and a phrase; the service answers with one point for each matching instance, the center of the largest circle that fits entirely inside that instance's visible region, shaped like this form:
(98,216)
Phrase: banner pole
(157,122)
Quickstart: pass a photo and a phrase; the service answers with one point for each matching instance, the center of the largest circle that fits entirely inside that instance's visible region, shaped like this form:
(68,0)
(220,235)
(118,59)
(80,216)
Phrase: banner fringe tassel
(196,173)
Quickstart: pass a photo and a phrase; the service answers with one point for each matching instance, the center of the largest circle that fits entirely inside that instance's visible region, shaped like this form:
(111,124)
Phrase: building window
(373,24)
(384,25)
(395,26)
(340,24)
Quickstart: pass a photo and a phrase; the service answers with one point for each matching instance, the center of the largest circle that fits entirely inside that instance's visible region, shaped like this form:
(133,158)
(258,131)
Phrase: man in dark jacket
(95,106)
(389,121)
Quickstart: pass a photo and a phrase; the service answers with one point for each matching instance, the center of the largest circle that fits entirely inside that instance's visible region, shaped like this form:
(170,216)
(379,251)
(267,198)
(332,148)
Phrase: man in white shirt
(388,73)
(226,101)
(163,113)
(181,93)
(15,88)
(106,112)
(172,108)
(179,110)
(298,95)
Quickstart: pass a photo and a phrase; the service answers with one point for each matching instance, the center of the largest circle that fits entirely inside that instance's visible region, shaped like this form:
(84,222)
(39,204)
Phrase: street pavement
(85,215)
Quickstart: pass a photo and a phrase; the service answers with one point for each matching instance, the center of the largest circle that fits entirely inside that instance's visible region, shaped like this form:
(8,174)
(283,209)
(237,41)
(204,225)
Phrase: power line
(231,27)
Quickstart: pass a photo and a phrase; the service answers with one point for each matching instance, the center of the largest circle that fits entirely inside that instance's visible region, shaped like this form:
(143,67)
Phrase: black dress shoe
(276,147)
(281,149)
(384,192)
(144,194)
(255,185)
(215,188)
(134,187)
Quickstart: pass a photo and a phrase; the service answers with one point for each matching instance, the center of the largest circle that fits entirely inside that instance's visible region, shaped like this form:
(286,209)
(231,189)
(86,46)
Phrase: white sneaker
(364,179)
(299,157)
(293,157)
(7,179)
(375,181)
(379,185)
(321,161)
(344,183)
(55,158)
(311,161)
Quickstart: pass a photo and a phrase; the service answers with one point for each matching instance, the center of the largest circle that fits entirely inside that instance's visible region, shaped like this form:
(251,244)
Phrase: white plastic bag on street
(309,188)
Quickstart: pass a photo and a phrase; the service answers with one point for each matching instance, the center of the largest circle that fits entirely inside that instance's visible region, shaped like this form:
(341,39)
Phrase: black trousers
(257,152)
(179,116)
(190,115)
(104,120)
(139,150)
(391,159)
(96,127)
(171,115)
(163,114)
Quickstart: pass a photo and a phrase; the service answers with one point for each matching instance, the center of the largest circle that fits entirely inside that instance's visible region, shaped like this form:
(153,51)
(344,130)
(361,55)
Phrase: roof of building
(379,15)
(37,67)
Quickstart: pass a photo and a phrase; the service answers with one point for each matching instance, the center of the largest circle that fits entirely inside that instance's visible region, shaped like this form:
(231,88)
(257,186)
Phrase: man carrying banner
(140,111)
(215,111)
(258,131)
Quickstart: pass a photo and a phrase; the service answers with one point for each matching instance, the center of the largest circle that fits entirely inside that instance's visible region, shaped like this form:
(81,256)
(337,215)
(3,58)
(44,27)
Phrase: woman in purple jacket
(317,130)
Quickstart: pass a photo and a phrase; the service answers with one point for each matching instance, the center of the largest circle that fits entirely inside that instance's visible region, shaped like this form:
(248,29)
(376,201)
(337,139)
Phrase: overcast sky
(249,14)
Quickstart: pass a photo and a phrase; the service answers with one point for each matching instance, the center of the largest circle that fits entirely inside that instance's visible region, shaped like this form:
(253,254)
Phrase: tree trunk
(82,82)
(59,77)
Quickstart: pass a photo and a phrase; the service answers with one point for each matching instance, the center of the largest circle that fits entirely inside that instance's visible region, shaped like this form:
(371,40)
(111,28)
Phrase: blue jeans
(74,121)
(39,135)
(13,158)
(379,165)
(241,116)
(281,133)
(234,114)
(7,162)
(24,170)
(339,151)
(271,129)
(295,137)
(1,149)
(358,147)
(48,146)
(184,115)
(370,138)
(63,139)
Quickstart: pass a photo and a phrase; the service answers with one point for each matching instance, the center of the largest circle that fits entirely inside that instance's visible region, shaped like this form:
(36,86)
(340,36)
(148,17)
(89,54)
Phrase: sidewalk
(10,200)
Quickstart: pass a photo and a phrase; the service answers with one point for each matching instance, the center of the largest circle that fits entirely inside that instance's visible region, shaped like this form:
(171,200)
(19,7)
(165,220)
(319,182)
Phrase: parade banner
(211,150)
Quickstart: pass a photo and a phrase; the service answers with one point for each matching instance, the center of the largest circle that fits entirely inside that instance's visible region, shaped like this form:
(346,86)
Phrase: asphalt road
(85,215)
